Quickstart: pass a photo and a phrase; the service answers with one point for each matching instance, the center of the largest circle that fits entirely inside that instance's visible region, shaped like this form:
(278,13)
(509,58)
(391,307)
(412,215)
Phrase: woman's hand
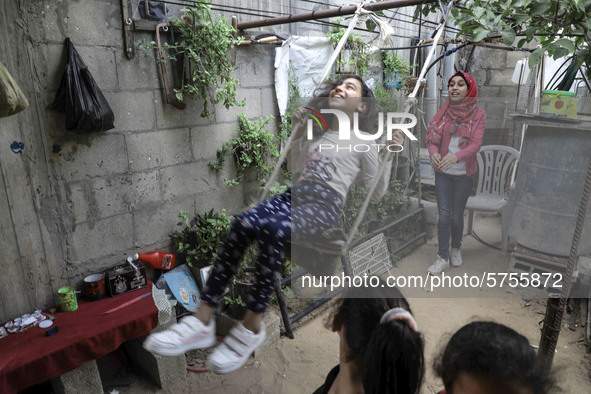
(435,160)
(449,160)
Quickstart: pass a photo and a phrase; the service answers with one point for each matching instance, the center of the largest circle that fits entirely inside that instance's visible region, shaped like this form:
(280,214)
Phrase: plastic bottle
(158,260)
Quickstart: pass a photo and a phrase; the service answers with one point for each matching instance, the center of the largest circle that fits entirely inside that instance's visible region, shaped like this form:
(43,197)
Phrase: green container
(68,301)
(558,103)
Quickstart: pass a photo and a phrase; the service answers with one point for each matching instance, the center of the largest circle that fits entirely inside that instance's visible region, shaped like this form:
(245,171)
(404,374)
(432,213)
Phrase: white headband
(399,314)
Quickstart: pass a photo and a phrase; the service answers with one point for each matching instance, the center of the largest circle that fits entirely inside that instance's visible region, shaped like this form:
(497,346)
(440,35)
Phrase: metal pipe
(324,14)
(316,304)
(448,65)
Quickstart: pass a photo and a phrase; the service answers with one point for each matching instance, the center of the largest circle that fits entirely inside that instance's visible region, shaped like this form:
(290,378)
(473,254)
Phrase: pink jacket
(468,154)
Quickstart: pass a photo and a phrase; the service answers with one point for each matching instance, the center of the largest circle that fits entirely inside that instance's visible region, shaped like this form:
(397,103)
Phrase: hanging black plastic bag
(12,99)
(80,98)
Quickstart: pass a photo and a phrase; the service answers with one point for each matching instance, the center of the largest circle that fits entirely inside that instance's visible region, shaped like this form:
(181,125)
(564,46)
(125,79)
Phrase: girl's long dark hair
(366,120)
(392,352)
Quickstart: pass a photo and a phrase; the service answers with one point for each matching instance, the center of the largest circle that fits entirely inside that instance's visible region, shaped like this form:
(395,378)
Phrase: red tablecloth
(30,357)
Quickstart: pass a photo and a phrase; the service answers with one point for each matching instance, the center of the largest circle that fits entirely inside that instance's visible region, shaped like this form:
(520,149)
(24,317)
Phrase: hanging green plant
(393,62)
(203,49)
(198,241)
(356,60)
(396,69)
(254,147)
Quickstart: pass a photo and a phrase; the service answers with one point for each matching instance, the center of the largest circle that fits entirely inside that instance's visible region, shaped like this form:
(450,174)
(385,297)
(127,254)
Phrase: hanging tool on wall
(168,92)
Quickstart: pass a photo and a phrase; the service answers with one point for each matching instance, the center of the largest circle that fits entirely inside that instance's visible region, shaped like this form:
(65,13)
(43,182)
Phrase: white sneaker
(440,265)
(236,348)
(455,257)
(188,334)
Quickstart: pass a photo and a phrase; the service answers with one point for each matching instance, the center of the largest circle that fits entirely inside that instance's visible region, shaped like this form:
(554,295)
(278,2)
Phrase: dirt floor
(300,365)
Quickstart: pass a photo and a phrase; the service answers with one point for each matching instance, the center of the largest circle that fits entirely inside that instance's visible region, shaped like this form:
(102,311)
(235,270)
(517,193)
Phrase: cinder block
(168,117)
(101,64)
(140,72)
(133,110)
(493,59)
(502,78)
(224,324)
(55,63)
(230,198)
(270,107)
(91,155)
(88,240)
(206,140)
(96,25)
(252,109)
(154,224)
(186,180)
(488,93)
(272,323)
(164,370)
(514,56)
(152,149)
(100,198)
(256,74)
(86,376)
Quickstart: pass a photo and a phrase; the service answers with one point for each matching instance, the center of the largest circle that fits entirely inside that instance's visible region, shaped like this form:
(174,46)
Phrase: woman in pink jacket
(454,137)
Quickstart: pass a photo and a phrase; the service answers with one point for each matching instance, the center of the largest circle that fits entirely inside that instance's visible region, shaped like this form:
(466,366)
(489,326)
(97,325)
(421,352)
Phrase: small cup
(94,287)
(68,301)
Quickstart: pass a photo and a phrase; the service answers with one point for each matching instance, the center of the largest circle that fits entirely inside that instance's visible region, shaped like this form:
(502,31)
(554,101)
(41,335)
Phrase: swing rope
(325,72)
(410,101)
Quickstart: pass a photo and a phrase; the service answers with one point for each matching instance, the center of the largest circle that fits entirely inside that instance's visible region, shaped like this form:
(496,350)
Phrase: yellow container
(558,103)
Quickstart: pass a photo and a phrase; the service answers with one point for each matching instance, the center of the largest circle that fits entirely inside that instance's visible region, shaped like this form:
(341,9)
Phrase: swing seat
(320,255)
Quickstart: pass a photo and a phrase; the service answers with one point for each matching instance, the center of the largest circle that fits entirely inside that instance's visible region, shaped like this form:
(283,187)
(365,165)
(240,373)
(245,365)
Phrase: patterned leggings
(273,222)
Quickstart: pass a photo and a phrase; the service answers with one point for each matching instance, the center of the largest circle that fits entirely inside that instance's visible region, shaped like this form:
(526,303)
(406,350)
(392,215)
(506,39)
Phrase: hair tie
(399,314)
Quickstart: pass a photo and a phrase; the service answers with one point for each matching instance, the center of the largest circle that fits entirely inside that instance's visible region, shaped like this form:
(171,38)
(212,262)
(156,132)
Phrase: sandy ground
(300,365)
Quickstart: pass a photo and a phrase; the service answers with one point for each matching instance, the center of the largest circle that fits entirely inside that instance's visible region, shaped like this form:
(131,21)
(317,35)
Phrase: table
(29,357)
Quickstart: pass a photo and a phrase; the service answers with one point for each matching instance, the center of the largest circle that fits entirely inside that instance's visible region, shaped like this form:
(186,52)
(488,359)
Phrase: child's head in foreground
(486,358)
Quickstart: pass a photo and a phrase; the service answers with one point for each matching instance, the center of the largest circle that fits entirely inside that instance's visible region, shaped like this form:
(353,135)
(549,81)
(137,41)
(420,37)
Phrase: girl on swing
(317,198)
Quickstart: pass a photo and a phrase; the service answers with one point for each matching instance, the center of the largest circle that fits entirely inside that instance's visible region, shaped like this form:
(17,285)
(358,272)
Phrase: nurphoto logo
(345,129)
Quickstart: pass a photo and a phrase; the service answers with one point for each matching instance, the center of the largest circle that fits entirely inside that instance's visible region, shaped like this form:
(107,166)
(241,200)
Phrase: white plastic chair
(496,166)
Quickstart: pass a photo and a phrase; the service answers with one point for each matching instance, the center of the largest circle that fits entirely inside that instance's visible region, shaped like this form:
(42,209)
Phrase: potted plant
(234,301)
(254,147)
(197,243)
(203,47)
(354,58)
(395,69)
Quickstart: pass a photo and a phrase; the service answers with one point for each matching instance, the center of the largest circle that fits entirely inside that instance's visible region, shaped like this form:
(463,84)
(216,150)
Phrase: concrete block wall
(76,204)
(493,70)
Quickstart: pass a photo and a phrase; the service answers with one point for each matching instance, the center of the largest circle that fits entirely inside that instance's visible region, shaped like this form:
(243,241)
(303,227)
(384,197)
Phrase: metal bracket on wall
(127,29)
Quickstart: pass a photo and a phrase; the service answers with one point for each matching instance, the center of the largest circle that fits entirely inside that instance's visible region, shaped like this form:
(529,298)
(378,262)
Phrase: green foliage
(385,102)
(359,50)
(382,211)
(278,188)
(254,147)
(393,62)
(203,47)
(563,27)
(232,300)
(294,101)
(200,238)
